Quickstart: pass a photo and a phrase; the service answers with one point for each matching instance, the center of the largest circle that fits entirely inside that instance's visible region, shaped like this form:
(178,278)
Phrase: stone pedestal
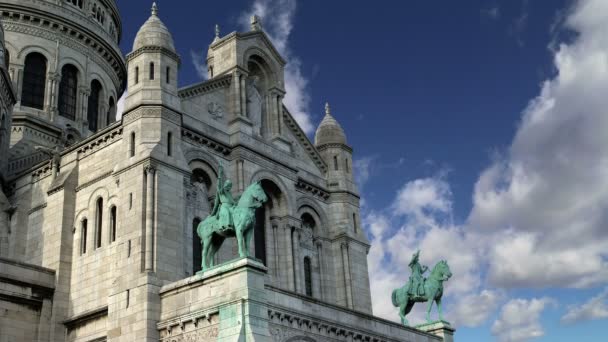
(225,303)
(442,329)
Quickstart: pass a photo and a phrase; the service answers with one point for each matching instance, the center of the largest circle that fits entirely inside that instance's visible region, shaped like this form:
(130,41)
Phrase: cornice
(205,87)
(154,49)
(324,147)
(202,140)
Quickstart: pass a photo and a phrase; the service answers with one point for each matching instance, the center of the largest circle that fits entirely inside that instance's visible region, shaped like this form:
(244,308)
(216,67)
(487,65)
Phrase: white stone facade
(111,217)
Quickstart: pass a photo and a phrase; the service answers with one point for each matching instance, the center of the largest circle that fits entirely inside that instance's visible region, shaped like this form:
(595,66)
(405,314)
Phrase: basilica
(99,209)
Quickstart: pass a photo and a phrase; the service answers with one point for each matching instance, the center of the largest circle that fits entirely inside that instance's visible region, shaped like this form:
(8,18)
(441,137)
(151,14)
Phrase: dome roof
(329,131)
(154,33)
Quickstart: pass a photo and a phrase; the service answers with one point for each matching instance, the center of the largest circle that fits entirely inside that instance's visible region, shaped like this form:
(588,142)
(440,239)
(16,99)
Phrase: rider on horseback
(416,287)
(224,202)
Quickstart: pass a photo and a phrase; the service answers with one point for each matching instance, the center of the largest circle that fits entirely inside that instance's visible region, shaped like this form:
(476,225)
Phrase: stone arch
(26,50)
(260,55)
(69,60)
(308,205)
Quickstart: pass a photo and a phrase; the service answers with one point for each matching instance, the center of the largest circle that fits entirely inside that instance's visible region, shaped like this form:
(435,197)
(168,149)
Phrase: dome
(154,33)
(329,131)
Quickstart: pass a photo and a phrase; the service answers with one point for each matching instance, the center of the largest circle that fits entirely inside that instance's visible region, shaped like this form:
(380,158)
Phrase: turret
(152,66)
(330,140)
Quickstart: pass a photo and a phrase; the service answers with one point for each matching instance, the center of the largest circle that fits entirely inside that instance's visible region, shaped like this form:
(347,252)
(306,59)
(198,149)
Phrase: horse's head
(442,270)
(445,270)
(256,195)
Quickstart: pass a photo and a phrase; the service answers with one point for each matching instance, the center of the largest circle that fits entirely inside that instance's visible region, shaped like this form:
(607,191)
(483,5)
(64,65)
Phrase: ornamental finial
(327,109)
(217,31)
(154,9)
(256,23)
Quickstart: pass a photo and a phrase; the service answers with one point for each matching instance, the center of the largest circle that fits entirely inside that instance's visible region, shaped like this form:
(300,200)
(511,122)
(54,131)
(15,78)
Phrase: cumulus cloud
(474,309)
(362,170)
(547,199)
(519,320)
(595,308)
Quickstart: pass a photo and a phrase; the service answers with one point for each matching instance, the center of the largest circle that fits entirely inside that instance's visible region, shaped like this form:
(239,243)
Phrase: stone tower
(351,244)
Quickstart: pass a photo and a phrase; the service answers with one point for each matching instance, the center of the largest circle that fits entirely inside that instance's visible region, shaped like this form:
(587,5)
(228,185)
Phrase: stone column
(276,265)
(19,82)
(296,261)
(319,245)
(149,254)
(279,101)
(347,277)
(243,80)
(54,80)
(289,249)
(236,85)
(85,92)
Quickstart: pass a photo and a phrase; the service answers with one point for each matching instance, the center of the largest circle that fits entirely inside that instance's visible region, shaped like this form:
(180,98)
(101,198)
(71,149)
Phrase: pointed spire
(154,9)
(327,109)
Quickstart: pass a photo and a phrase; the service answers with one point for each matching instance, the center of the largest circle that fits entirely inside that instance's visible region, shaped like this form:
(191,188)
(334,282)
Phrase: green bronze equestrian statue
(230,218)
(419,289)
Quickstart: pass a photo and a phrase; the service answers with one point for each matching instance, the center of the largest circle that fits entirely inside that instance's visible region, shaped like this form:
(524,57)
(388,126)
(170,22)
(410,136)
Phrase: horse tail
(394,297)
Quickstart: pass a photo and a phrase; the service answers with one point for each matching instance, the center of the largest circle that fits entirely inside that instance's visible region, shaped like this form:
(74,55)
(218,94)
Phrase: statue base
(225,303)
(442,329)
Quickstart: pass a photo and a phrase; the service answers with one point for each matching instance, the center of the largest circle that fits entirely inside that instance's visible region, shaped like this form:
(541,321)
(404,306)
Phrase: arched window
(83,237)
(112,224)
(169,144)
(98,222)
(197,250)
(168,75)
(68,91)
(132,145)
(307,277)
(34,81)
(355,222)
(152,71)
(136,75)
(111,117)
(347,165)
(93,110)
(336,163)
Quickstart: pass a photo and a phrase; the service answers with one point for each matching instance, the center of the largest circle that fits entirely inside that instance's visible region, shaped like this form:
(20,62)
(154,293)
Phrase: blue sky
(479,133)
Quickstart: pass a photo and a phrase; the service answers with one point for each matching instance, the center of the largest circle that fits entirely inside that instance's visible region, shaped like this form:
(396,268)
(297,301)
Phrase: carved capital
(150,169)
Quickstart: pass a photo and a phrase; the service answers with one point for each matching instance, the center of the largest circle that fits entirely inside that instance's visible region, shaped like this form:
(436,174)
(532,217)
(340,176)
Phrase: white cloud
(544,206)
(362,170)
(120,105)
(200,64)
(519,320)
(595,308)
(474,309)
(277,18)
